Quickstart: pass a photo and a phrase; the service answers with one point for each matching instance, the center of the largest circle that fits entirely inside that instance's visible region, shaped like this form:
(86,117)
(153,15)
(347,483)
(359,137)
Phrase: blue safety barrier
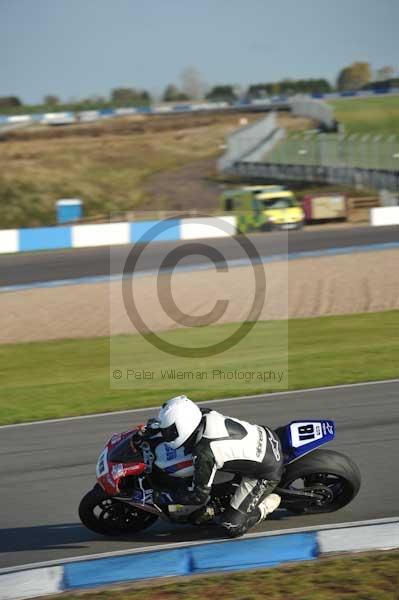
(207,558)
(157,231)
(251,554)
(106,112)
(45,238)
(182,107)
(90,573)
(79,236)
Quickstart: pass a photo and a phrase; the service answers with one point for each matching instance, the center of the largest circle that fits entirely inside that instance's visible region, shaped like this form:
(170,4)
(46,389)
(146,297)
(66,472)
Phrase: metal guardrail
(380,179)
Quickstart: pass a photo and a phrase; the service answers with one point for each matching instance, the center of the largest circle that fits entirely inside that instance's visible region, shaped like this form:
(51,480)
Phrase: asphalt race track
(46,468)
(29,268)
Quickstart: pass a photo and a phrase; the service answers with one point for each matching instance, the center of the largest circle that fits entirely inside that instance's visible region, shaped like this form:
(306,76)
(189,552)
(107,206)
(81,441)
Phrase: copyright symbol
(165,294)
(117,374)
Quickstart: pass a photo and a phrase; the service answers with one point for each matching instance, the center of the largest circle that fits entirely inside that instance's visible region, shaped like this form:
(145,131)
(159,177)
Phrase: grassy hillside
(109,165)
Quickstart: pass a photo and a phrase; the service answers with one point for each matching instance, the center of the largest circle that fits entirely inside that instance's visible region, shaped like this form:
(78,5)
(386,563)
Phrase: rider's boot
(203,515)
(268,505)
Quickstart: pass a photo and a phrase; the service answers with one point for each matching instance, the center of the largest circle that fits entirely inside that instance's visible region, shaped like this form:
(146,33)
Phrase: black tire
(320,470)
(107,516)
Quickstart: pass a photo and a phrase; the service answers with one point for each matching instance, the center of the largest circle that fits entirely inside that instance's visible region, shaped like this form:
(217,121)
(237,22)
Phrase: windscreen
(125,452)
(280,203)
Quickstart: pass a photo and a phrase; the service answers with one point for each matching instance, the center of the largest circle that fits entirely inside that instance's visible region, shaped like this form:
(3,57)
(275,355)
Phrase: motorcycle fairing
(110,470)
(177,463)
(300,437)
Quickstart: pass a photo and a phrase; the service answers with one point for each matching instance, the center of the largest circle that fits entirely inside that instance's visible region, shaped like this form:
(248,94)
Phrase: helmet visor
(170,433)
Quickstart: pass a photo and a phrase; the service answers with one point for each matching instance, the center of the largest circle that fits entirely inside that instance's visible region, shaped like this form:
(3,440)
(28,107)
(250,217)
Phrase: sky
(81,48)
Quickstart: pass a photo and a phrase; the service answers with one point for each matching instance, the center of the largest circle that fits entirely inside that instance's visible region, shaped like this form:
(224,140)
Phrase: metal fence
(379,179)
(336,150)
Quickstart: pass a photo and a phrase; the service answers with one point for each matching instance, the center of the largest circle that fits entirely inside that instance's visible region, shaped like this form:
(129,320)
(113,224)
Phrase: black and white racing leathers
(235,446)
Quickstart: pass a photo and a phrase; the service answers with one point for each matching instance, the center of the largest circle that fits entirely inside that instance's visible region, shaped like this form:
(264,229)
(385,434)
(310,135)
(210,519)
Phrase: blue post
(69,210)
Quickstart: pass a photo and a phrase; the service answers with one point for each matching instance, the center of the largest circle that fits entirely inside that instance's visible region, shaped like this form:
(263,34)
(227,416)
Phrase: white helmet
(179,418)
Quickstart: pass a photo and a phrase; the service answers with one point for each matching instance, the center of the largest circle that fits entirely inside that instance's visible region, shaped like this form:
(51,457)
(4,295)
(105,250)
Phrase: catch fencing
(335,150)
(379,179)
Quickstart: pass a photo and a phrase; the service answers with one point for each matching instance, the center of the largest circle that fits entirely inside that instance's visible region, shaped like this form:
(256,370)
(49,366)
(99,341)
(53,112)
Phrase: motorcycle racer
(218,442)
(135,463)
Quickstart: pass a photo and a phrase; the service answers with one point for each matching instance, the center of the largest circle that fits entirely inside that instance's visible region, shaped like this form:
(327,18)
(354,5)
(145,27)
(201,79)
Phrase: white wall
(387,215)
(303,106)
(207,227)
(20,119)
(240,142)
(105,234)
(9,240)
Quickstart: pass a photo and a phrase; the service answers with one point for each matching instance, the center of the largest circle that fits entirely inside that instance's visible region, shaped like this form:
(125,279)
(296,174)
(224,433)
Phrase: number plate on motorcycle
(303,432)
(102,463)
(301,437)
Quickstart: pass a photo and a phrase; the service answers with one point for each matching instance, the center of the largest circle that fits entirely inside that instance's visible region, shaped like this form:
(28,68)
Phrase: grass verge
(376,115)
(56,379)
(372,577)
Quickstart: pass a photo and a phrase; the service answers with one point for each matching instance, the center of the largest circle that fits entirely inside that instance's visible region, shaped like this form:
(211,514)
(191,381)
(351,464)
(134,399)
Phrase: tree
(145,97)
(173,94)
(51,100)
(385,73)
(288,86)
(354,77)
(129,96)
(193,86)
(259,90)
(10,102)
(123,96)
(222,93)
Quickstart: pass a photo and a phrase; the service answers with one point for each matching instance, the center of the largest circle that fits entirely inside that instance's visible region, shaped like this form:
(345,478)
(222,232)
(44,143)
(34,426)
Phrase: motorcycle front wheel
(107,516)
(332,477)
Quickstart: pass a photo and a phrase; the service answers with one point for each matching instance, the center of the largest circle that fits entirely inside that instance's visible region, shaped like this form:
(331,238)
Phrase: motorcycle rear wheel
(107,516)
(334,477)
